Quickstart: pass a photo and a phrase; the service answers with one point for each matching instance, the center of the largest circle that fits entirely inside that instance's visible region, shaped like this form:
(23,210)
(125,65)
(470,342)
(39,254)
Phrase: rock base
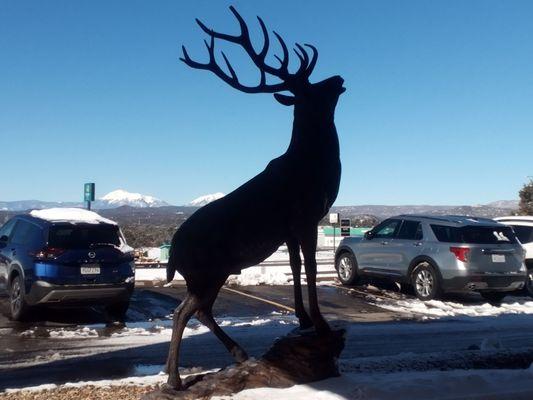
(293,359)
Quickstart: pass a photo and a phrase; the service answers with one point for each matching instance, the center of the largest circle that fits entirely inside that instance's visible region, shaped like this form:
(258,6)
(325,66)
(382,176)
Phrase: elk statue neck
(314,132)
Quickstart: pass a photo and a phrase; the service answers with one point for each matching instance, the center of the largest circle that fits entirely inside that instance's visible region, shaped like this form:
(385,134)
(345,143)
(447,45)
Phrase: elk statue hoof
(239,354)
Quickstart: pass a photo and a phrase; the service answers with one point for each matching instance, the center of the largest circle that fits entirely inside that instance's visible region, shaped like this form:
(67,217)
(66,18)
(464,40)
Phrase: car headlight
(523,267)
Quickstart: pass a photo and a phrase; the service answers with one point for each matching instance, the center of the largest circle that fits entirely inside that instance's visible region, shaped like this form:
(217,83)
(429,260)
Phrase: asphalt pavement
(20,361)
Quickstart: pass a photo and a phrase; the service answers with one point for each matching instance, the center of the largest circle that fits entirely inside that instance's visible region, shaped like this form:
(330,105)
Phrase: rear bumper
(42,292)
(486,282)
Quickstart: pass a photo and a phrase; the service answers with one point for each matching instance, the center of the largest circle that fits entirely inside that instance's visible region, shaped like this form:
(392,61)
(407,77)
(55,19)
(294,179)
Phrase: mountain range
(130,201)
(114,199)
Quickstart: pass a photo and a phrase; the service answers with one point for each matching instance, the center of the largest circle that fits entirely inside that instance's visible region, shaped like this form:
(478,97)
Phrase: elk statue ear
(284,99)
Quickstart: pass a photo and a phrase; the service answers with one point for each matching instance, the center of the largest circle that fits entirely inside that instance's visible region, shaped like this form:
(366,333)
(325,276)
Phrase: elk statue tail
(172,265)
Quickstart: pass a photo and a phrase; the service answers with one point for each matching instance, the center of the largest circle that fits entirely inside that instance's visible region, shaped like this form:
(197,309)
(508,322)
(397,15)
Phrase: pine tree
(526,199)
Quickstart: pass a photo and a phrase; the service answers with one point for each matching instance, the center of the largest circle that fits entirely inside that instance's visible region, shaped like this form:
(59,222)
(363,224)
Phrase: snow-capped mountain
(120,197)
(203,200)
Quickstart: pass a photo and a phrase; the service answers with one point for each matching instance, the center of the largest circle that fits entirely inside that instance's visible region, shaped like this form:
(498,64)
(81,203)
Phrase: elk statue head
(310,98)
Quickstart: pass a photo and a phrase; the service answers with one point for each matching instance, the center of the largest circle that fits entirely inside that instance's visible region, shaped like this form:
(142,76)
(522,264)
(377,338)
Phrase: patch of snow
(206,199)
(255,322)
(149,380)
(84,332)
(74,215)
(258,276)
(438,309)
(154,275)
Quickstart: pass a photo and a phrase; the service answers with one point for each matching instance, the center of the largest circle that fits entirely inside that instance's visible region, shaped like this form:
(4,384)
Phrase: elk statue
(290,196)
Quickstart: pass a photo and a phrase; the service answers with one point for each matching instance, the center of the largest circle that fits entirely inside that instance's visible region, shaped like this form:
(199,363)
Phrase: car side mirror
(3,239)
(369,235)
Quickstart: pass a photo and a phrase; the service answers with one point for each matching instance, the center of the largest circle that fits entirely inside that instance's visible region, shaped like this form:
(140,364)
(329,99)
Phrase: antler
(282,72)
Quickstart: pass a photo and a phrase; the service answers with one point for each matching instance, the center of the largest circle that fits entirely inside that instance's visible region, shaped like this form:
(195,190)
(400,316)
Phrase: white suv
(523,227)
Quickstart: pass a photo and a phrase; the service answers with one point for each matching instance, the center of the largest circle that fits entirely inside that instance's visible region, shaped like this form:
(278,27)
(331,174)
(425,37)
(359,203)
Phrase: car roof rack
(458,219)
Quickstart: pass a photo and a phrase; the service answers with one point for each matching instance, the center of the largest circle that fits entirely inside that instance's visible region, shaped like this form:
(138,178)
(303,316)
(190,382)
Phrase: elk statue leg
(308,243)
(205,316)
(182,314)
(296,267)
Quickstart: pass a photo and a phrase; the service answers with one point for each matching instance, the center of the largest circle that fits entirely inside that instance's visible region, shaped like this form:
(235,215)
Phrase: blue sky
(438,108)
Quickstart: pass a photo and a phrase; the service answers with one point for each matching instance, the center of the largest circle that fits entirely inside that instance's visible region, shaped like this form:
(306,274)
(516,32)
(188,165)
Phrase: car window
(26,233)
(7,228)
(474,234)
(410,230)
(523,233)
(387,229)
(83,236)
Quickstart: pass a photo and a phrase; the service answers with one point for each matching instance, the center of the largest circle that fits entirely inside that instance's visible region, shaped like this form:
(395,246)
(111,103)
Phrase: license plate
(498,258)
(90,269)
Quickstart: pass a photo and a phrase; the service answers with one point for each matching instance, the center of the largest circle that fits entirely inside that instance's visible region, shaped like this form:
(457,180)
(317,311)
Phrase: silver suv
(436,254)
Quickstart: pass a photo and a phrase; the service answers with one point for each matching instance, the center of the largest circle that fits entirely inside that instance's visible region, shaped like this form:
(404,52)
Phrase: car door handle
(384,243)
(417,244)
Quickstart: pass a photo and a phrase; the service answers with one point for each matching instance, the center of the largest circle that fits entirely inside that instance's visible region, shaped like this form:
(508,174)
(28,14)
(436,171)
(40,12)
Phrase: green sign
(88,192)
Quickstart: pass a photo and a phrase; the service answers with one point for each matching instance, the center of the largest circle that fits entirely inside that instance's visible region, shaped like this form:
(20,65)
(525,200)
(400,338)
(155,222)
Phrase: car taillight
(461,253)
(49,252)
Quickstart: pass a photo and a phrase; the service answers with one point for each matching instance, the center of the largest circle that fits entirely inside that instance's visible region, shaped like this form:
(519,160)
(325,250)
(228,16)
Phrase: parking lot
(76,344)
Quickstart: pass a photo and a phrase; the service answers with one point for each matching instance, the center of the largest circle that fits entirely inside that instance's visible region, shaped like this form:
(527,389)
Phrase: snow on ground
(259,276)
(71,214)
(154,275)
(147,380)
(157,327)
(455,384)
(438,309)
(275,270)
(282,255)
(101,339)
(251,276)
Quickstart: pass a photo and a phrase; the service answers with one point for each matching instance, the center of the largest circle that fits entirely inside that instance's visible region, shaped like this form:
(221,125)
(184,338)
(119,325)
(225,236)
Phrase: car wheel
(347,268)
(17,299)
(529,282)
(426,282)
(493,297)
(117,311)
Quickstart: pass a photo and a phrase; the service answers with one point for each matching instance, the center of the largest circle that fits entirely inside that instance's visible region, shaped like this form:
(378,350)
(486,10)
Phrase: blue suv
(53,260)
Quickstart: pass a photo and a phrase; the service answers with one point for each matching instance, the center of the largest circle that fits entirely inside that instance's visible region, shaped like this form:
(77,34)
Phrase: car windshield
(83,236)
(474,234)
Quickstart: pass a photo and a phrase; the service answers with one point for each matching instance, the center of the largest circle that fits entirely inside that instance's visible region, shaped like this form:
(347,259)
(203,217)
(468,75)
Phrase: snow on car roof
(73,215)
(516,218)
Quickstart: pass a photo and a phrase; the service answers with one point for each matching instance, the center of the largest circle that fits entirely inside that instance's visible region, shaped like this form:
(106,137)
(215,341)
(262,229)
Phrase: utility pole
(334,220)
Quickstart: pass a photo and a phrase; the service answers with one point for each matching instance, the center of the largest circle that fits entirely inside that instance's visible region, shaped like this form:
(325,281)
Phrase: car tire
(493,297)
(17,299)
(346,267)
(425,281)
(117,311)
